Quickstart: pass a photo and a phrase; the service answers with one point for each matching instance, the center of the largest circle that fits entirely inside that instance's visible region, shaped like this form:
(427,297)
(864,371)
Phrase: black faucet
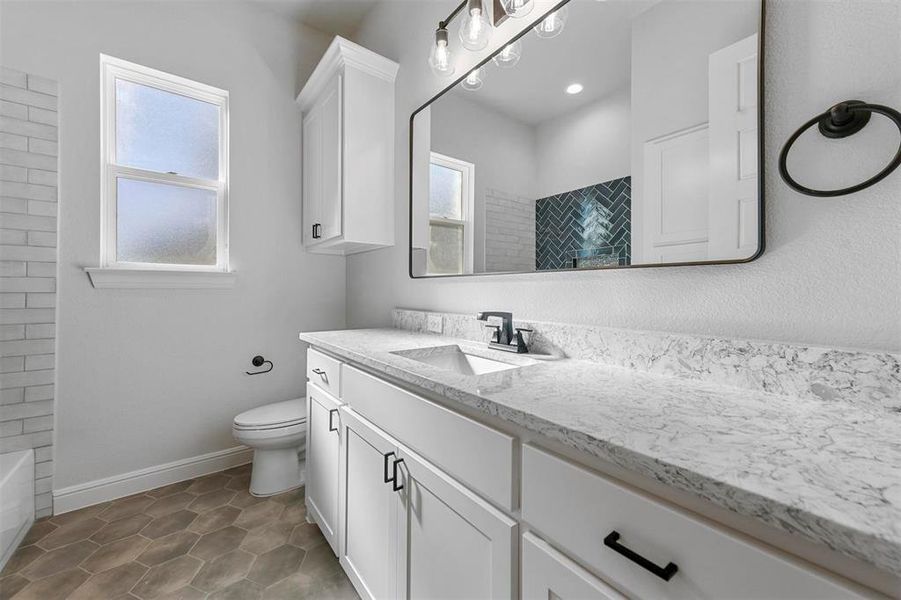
(504,338)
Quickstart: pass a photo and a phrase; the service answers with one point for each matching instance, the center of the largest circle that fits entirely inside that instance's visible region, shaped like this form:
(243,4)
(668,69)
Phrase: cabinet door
(452,544)
(323,429)
(368,508)
(548,574)
(312,168)
(331,157)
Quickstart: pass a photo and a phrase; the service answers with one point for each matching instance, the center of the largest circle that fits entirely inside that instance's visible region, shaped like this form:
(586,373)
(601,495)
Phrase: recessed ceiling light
(574,88)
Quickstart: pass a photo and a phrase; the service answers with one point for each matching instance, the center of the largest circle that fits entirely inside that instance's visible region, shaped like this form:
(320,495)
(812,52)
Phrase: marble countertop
(829,471)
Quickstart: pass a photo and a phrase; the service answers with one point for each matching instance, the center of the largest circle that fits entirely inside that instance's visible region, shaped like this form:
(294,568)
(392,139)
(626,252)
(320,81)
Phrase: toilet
(277,433)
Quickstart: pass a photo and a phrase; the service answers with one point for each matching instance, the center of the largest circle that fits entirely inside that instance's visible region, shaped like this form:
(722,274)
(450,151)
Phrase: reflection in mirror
(612,134)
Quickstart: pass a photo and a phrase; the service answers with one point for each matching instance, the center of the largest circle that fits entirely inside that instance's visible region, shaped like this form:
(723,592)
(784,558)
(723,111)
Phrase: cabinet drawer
(324,371)
(477,455)
(578,509)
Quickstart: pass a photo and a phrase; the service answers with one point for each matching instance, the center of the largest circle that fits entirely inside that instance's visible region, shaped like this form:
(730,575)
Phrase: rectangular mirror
(614,134)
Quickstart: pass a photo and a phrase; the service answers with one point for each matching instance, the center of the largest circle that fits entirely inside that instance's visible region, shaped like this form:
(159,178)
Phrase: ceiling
(594,49)
(341,17)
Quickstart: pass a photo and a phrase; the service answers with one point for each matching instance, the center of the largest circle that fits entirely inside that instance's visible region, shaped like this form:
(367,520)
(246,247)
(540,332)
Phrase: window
(165,171)
(451,192)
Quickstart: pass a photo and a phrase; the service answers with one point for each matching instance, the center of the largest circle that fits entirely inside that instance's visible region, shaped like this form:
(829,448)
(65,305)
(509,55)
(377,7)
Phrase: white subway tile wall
(509,232)
(28,222)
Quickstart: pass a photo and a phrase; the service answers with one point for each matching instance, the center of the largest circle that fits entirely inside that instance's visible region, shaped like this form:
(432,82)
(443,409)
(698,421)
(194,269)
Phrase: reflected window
(165,170)
(451,191)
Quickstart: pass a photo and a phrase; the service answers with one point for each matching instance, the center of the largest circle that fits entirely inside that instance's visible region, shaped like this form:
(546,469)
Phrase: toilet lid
(281,414)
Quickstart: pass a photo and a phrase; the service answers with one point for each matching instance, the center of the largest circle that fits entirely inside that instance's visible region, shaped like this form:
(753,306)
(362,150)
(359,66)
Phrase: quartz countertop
(829,471)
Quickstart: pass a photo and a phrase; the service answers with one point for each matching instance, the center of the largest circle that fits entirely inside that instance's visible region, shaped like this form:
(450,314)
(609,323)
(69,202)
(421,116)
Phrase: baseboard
(126,484)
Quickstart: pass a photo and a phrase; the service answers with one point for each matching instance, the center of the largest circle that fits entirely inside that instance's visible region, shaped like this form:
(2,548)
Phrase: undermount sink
(453,358)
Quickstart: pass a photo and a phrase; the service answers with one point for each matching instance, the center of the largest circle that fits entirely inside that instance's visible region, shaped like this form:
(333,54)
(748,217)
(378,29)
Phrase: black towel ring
(843,119)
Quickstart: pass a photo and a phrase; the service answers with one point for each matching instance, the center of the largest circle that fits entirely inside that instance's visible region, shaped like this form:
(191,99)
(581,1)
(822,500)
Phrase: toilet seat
(278,415)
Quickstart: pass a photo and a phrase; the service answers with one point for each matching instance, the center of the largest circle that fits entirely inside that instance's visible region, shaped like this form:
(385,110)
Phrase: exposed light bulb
(474,79)
(574,88)
(552,25)
(475,30)
(509,55)
(440,55)
(518,8)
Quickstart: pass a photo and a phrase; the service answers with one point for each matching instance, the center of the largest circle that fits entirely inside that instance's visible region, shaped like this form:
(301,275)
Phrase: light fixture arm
(443,24)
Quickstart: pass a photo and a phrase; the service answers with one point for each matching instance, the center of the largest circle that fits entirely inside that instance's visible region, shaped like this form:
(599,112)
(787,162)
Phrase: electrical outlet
(436,323)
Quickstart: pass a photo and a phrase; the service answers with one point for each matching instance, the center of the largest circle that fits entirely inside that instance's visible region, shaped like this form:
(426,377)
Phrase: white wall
(502,150)
(151,376)
(584,147)
(831,273)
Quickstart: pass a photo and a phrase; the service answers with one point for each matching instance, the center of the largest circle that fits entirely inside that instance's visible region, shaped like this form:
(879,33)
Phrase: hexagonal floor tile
(167,548)
(126,507)
(111,583)
(223,571)
(171,523)
(59,560)
(167,577)
(55,587)
(259,515)
(211,500)
(215,519)
(275,565)
(169,504)
(68,534)
(116,553)
(209,483)
(122,528)
(219,542)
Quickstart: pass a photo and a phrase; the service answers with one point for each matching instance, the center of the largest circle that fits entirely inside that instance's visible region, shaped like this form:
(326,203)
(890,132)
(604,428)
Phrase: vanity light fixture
(509,56)
(440,54)
(552,25)
(518,8)
(574,88)
(475,30)
(474,79)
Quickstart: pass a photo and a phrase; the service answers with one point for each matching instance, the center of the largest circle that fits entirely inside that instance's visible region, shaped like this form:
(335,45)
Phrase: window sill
(148,278)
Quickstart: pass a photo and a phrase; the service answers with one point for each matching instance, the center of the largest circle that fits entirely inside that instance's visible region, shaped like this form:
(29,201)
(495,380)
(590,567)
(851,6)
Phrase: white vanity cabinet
(410,531)
(348,151)
(419,516)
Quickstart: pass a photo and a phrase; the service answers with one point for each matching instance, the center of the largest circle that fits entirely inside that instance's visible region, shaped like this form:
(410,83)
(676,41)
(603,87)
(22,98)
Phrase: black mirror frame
(761,213)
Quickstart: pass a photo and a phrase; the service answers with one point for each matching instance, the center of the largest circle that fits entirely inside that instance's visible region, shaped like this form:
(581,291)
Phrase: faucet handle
(496,336)
(521,346)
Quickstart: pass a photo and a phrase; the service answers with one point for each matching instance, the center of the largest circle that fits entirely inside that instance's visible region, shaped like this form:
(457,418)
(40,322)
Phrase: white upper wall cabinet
(348,151)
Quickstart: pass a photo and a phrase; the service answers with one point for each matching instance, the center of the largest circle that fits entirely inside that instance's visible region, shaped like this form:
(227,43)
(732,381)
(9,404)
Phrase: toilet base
(275,471)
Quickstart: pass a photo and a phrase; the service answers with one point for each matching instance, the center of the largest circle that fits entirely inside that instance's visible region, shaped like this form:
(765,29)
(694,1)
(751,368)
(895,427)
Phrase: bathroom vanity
(573,479)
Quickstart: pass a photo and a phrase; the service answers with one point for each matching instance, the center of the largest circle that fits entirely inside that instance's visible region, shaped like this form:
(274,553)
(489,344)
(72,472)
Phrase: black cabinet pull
(665,573)
(387,458)
(395,482)
(321,374)
(317,231)
(331,414)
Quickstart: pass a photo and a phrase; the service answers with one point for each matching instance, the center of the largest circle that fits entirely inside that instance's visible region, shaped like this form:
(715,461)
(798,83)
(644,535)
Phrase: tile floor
(203,538)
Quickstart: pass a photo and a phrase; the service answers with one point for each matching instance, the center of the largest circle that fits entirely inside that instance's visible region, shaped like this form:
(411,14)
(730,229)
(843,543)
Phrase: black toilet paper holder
(259,361)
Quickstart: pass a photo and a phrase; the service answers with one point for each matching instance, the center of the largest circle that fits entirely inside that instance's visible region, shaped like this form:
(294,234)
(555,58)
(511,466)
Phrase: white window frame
(112,69)
(467,189)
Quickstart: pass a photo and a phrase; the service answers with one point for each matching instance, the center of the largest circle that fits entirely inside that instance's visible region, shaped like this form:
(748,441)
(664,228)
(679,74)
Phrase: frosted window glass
(445,249)
(445,192)
(165,132)
(161,223)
